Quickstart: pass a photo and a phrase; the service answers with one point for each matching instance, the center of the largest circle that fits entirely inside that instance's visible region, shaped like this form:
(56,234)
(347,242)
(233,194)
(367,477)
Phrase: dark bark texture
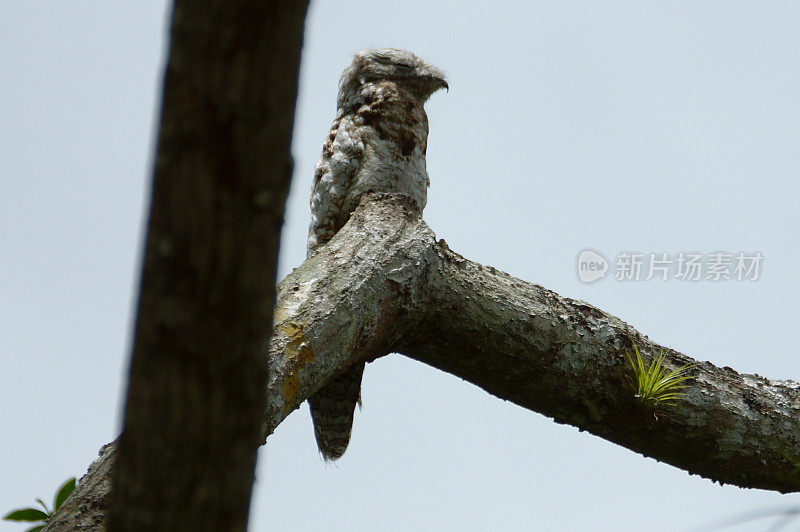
(186,456)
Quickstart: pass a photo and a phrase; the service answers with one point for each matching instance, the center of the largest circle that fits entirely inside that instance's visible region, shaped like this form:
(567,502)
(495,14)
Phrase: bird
(377,143)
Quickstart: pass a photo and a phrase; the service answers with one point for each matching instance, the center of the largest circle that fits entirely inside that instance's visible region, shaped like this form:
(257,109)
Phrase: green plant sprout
(655,385)
(35,515)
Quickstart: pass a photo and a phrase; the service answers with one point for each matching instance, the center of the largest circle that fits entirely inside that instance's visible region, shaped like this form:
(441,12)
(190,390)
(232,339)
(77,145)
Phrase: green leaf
(46,509)
(63,492)
(26,514)
(35,528)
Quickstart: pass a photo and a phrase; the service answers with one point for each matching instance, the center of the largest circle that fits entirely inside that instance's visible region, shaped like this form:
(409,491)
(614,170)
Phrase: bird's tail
(332,409)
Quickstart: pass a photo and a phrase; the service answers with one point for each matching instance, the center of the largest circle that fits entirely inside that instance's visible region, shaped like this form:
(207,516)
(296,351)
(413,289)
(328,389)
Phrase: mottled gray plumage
(377,143)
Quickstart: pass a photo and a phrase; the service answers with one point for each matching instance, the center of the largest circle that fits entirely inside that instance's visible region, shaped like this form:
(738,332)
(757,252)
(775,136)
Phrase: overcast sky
(644,127)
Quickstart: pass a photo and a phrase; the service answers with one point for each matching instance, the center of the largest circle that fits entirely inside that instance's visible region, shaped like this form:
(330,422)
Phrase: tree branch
(85,509)
(567,360)
(384,284)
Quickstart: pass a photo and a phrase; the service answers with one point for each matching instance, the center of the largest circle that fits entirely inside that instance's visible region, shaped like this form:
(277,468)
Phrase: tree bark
(385,284)
(85,509)
(186,456)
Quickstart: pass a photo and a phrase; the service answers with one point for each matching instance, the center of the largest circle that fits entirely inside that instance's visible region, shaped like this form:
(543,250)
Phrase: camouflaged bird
(377,143)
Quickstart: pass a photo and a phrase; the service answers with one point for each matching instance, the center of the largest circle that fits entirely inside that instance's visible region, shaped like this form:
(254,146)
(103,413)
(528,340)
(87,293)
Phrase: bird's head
(388,64)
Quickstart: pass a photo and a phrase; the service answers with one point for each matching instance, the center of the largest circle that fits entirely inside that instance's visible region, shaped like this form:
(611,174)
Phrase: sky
(622,127)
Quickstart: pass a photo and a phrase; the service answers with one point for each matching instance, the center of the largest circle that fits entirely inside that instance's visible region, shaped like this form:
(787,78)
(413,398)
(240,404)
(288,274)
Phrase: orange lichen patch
(291,389)
(297,348)
(298,355)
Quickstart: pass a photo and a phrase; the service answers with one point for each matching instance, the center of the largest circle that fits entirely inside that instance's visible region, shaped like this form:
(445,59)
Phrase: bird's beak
(438,82)
(432,80)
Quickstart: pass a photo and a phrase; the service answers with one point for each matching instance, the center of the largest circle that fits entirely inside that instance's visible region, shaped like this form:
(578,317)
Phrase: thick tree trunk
(186,457)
